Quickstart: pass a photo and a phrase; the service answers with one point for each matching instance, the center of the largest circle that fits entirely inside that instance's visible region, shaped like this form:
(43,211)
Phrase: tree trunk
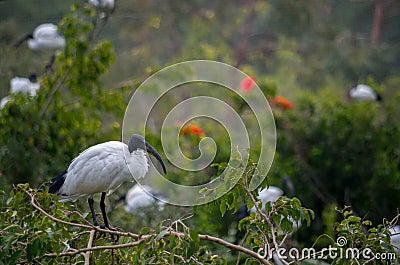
(377,22)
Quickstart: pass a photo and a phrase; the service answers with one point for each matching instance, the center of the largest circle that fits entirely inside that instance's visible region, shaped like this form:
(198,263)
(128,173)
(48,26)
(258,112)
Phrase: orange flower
(283,102)
(247,84)
(192,129)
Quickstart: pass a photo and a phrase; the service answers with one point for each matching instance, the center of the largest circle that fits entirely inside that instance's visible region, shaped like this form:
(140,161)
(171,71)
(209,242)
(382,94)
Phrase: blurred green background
(336,151)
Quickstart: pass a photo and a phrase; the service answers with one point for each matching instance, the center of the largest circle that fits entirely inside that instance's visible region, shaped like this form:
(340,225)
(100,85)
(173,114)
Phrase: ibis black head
(33,77)
(137,141)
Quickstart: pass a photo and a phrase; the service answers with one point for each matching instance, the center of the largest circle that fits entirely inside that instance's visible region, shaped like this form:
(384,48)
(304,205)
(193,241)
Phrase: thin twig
(52,92)
(176,255)
(241,244)
(234,247)
(91,249)
(274,240)
(87,254)
(52,217)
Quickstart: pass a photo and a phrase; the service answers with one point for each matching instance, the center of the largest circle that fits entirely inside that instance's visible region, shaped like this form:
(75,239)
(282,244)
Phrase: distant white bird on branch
(102,168)
(364,92)
(107,4)
(45,36)
(395,238)
(140,197)
(105,7)
(21,84)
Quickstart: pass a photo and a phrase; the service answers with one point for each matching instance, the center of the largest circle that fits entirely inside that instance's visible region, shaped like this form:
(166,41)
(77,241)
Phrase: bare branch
(52,92)
(234,247)
(87,254)
(78,251)
(139,238)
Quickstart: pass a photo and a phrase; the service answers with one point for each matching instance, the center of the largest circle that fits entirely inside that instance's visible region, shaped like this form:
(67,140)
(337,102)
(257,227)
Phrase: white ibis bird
(21,84)
(104,6)
(395,238)
(364,92)
(45,36)
(102,168)
(139,197)
(267,195)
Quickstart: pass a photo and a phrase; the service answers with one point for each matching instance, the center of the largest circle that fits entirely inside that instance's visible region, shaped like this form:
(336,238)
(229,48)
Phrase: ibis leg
(91,201)
(103,210)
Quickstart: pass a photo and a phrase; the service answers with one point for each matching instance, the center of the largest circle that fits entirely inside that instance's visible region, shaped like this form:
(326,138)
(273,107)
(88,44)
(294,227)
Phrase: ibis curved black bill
(151,150)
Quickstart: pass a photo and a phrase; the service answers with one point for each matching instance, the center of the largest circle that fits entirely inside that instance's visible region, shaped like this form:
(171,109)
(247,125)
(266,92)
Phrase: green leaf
(162,234)
(250,204)
(286,225)
(144,231)
(347,213)
(15,256)
(307,217)
(172,243)
(192,249)
(222,207)
(195,236)
(354,219)
(33,249)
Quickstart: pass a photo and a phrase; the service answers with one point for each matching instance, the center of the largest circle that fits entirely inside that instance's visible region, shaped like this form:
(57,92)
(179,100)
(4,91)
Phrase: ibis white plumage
(364,92)
(269,194)
(21,84)
(45,36)
(272,194)
(105,7)
(139,197)
(395,238)
(106,4)
(102,168)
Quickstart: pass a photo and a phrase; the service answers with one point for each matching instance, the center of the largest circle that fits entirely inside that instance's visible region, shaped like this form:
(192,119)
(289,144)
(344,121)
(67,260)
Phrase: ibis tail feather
(57,182)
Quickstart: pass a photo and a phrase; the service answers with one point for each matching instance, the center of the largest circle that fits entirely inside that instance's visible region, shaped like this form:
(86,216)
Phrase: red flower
(247,84)
(283,102)
(192,129)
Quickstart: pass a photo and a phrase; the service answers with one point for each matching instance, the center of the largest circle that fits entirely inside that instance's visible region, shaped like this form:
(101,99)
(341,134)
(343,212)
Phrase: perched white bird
(272,194)
(45,36)
(395,238)
(364,92)
(105,7)
(21,84)
(106,4)
(25,85)
(139,197)
(102,168)
(269,194)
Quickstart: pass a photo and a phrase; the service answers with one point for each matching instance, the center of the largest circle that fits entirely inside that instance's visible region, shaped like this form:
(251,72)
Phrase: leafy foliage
(67,114)
(338,152)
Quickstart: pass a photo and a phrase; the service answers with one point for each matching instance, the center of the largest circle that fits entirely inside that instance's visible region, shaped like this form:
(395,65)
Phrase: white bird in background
(395,238)
(21,84)
(107,4)
(45,36)
(364,92)
(271,194)
(139,197)
(102,168)
(105,7)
